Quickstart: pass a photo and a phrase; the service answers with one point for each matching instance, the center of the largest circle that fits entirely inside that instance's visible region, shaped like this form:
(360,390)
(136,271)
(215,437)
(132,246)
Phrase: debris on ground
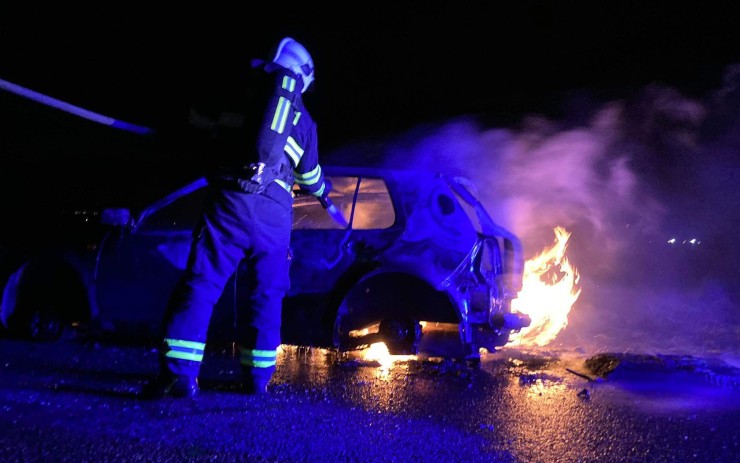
(711,370)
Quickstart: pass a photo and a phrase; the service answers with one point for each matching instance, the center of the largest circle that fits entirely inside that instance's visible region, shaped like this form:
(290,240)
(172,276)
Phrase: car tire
(401,335)
(36,324)
(45,325)
(47,298)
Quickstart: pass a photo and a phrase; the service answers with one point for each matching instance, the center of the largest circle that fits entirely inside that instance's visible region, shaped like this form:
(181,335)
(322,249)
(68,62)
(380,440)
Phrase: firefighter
(265,141)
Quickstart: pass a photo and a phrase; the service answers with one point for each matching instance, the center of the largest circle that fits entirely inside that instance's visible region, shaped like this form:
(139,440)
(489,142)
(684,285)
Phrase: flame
(548,292)
(378,352)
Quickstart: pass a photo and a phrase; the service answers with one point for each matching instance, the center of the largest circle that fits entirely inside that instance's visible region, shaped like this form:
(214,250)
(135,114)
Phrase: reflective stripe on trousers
(236,227)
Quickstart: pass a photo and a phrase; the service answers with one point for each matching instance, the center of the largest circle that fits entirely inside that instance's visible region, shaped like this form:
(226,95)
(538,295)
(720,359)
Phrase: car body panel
(410,247)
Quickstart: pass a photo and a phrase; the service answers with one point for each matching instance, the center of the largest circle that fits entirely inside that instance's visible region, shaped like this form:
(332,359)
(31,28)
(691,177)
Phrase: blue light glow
(72,109)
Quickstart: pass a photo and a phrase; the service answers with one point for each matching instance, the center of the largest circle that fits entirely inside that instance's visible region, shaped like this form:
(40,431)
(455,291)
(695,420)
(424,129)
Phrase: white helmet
(294,56)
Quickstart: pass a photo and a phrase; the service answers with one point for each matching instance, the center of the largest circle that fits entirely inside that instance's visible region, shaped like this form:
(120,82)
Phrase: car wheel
(388,307)
(45,325)
(400,335)
(36,324)
(46,299)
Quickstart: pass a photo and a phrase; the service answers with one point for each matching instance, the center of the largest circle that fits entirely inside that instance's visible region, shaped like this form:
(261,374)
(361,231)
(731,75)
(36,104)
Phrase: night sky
(381,68)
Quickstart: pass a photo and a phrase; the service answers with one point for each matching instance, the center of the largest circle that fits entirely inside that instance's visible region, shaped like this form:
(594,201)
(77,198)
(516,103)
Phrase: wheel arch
(58,284)
(391,293)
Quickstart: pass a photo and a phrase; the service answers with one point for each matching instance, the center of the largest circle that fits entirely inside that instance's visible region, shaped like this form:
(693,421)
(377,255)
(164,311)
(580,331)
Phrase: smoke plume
(635,180)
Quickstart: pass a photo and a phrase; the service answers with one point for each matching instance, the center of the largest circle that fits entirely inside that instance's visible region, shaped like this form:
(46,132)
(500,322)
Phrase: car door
(138,267)
(327,257)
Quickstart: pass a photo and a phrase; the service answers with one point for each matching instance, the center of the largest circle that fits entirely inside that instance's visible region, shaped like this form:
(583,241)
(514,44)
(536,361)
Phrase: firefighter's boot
(169,385)
(255,380)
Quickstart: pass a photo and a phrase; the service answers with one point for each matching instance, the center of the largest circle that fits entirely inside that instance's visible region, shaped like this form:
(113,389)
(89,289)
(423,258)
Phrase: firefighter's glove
(324,198)
(254,184)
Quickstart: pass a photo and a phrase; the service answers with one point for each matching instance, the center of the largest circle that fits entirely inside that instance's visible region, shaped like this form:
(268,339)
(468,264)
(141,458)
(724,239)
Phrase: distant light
(692,241)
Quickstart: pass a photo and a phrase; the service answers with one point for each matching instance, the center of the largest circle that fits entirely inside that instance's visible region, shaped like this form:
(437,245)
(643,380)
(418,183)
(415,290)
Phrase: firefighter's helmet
(294,56)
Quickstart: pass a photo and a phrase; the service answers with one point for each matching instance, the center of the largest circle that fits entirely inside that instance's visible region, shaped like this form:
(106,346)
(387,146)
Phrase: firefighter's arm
(278,118)
(308,173)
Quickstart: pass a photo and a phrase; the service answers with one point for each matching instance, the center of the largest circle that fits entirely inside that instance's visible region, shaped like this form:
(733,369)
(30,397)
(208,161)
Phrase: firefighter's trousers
(235,227)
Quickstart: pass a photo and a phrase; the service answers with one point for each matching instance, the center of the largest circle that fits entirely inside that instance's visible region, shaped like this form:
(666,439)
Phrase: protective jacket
(259,117)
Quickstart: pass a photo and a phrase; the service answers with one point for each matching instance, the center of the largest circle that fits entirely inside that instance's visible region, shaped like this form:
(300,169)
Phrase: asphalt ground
(77,401)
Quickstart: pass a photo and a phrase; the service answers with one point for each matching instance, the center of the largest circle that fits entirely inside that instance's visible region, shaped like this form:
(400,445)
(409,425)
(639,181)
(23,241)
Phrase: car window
(183,213)
(470,212)
(308,214)
(373,209)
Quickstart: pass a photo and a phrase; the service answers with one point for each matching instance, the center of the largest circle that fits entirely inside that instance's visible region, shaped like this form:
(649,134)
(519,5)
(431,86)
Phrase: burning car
(416,258)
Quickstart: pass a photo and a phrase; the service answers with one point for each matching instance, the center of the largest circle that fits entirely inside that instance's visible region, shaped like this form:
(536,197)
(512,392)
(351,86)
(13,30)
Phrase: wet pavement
(76,400)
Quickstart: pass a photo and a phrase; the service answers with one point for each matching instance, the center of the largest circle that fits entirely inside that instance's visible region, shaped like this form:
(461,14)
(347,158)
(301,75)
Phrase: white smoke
(624,181)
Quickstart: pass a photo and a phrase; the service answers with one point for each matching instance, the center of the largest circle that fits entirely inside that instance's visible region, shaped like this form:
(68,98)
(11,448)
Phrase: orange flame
(378,352)
(548,293)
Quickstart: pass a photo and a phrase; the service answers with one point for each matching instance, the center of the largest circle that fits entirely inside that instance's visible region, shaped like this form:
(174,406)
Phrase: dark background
(382,67)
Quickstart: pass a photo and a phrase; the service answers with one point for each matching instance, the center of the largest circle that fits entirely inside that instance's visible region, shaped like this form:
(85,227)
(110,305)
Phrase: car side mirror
(118,217)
